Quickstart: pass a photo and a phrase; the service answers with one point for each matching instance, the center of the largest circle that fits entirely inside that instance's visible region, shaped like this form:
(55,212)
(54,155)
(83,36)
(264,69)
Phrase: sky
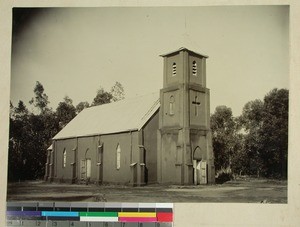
(74,51)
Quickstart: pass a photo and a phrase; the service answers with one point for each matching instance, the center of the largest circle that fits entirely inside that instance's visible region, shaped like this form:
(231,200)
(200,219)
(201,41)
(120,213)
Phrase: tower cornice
(183,49)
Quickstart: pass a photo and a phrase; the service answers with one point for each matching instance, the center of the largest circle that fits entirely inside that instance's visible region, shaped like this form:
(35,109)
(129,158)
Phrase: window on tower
(172,105)
(174,69)
(194,69)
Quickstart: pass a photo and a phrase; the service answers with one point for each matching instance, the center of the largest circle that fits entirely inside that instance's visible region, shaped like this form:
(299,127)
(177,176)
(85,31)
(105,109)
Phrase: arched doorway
(199,166)
(86,167)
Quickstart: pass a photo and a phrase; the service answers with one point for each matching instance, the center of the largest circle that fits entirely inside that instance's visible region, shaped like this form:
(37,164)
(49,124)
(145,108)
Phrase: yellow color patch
(137,214)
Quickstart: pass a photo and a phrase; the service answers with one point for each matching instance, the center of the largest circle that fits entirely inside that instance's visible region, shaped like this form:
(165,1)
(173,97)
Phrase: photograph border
(195,214)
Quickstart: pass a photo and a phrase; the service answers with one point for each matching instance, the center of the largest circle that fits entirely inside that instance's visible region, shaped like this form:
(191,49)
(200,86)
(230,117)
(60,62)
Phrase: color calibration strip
(89,214)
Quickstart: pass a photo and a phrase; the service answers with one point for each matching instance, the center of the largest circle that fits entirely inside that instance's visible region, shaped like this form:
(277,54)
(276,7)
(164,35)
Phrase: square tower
(185,153)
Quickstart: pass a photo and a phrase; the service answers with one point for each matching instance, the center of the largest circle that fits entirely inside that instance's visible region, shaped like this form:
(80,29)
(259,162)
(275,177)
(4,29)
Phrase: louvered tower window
(194,68)
(174,69)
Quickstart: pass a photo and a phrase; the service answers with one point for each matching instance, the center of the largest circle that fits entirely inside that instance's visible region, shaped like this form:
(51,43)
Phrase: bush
(223,175)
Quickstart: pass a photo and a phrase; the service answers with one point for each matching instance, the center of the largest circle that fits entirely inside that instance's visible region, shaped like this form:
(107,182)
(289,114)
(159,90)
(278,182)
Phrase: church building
(163,137)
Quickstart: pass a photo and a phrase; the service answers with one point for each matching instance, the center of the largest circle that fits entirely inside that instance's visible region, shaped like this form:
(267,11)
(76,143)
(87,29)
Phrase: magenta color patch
(137,219)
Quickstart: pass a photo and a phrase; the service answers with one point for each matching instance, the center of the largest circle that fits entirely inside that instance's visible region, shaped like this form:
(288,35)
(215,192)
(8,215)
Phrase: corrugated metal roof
(125,115)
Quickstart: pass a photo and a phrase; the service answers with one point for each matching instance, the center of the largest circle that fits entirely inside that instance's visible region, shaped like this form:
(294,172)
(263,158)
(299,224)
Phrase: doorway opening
(199,167)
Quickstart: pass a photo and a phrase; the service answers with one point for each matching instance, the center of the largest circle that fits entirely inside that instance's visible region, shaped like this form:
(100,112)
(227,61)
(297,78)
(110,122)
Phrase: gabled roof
(125,115)
(183,49)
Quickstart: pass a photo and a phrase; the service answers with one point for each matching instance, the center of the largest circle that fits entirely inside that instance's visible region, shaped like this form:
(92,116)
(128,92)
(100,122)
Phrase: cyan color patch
(59,214)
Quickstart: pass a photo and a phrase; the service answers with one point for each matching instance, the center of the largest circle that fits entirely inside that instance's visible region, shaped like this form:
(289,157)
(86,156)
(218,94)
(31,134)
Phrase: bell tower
(185,153)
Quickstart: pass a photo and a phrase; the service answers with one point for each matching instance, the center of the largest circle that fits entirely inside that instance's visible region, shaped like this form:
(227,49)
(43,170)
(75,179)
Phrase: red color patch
(164,217)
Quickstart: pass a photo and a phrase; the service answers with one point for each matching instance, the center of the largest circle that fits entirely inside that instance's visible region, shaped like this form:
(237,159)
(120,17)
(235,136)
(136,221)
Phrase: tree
(223,136)
(102,97)
(251,118)
(266,134)
(117,92)
(41,99)
(65,111)
(30,135)
(274,133)
(251,121)
(17,138)
(80,106)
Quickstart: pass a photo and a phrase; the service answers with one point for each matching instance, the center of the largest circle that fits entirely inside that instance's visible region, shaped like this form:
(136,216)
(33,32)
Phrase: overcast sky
(74,51)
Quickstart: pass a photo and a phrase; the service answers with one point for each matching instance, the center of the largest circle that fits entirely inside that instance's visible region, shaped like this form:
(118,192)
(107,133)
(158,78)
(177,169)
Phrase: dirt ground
(238,191)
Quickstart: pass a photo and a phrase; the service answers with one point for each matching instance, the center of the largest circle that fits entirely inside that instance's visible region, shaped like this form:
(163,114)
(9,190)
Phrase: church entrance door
(200,172)
(203,172)
(85,169)
(200,167)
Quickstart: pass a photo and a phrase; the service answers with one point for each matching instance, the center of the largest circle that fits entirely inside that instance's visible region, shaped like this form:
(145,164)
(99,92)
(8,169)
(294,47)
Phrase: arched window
(64,158)
(194,69)
(118,156)
(172,105)
(174,69)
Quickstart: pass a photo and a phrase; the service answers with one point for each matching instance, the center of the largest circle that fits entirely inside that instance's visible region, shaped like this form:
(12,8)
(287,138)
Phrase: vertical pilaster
(141,161)
(51,165)
(47,166)
(159,156)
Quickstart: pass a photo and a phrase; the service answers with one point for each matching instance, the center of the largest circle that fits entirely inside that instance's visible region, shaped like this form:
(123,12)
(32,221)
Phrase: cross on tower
(197,105)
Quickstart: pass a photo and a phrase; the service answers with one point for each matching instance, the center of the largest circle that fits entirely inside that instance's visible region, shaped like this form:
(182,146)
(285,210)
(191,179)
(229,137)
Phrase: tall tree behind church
(65,111)
(274,133)
(30,135)
(117,92)
(40,100)
(102,97)
(265,146)
(224,137)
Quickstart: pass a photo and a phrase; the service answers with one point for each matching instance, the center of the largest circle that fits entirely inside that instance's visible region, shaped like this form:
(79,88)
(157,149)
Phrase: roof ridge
(151,108)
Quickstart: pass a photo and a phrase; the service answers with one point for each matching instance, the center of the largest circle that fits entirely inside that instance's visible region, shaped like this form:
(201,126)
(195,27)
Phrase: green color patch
(98,214)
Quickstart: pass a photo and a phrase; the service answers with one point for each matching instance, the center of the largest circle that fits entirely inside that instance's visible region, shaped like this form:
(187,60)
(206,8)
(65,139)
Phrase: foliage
(30,135)
(41,99)
(223,136)
(117,92)
(252,115)
(255,143)
(223,175)
(81,106)
(102,97)
(251,122)
(274,133)
(65,111)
